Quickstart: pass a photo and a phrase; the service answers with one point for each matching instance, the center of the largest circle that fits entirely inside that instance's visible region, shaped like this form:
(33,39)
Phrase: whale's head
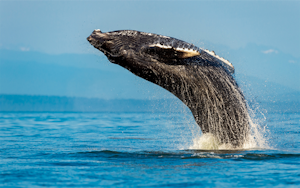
(132,49)
(145,47)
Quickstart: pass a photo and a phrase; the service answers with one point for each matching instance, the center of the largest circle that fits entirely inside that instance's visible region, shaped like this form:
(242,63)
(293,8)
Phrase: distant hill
(27,103)
(88,77)
(76,75)
(264,91)
(264,74)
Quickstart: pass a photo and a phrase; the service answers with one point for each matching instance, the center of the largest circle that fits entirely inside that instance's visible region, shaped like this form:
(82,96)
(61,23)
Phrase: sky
(61,27)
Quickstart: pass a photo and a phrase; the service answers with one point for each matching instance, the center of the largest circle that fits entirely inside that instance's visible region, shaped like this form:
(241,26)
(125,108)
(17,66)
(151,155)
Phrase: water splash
(257,139)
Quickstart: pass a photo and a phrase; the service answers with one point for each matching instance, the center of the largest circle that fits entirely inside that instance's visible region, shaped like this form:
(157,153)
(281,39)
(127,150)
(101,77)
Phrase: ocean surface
(143,150)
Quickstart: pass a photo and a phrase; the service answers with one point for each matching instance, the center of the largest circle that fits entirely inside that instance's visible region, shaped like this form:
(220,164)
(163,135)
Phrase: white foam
(208,141)
(205,142)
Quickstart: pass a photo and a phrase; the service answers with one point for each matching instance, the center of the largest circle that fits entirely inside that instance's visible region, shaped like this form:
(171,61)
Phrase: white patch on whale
(221,60)
(191,53)
(187,52)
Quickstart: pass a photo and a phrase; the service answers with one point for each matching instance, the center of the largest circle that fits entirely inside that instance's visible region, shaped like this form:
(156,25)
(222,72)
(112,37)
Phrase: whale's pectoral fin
(169,52)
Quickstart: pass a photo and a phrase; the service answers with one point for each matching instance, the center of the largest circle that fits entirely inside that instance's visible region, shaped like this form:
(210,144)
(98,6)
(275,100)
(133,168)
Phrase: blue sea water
(139,150)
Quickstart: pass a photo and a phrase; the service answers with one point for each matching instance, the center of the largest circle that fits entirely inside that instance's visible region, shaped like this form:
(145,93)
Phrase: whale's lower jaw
(197,78)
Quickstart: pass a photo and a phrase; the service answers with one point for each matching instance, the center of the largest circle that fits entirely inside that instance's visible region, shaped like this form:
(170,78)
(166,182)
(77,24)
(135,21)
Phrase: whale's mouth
(99,40)
(98,35)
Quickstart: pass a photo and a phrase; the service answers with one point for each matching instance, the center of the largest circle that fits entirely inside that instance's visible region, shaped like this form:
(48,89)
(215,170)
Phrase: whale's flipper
(199,78)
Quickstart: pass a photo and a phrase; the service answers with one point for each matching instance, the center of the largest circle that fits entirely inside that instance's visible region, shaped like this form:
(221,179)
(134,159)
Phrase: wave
(191,154)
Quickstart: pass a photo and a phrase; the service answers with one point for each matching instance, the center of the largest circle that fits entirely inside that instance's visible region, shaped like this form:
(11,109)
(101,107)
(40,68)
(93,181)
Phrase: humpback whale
(202,80)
